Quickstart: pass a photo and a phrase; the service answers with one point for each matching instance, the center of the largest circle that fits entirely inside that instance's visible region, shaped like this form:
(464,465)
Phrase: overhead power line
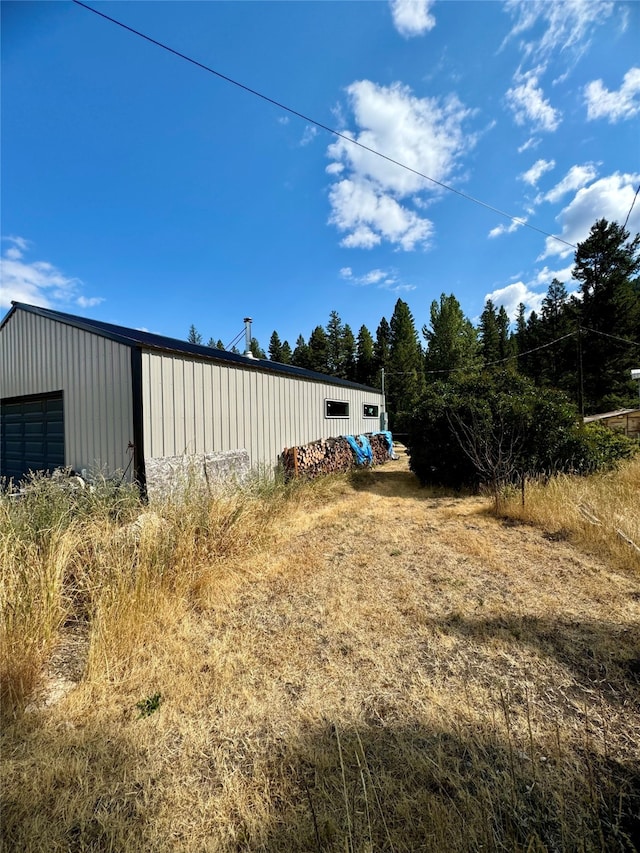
(631,208)
(613,337)
(322,126)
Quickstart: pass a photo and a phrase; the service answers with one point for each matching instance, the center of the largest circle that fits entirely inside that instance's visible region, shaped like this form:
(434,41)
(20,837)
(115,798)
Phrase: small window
(336,409)
(370,411)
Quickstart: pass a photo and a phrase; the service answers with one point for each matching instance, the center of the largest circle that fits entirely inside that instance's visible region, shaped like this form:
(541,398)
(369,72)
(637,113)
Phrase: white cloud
(512,295)
(90,301)
(37,282)
(528,104)
(609,198)
(310,133)
(530,293)
(533,175)
(576,178)
(507,229)
(532,142)
(614,106)
(376,199)
(545,276)
(382,279)
(557,27)
(412,17)
(371,216)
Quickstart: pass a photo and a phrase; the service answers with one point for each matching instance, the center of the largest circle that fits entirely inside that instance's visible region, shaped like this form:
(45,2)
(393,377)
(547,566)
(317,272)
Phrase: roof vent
(247,337)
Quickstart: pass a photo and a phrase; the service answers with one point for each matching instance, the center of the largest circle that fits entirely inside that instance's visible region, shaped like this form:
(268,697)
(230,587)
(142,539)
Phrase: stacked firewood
(328,456)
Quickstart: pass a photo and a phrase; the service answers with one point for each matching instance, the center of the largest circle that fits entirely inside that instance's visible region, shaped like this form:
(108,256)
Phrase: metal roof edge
(150,341)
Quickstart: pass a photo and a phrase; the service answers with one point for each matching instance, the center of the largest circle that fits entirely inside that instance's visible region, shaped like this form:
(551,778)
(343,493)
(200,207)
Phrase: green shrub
(499,429)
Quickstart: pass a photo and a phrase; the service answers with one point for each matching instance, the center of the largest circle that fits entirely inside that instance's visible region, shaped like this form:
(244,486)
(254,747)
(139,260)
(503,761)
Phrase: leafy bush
(498,429)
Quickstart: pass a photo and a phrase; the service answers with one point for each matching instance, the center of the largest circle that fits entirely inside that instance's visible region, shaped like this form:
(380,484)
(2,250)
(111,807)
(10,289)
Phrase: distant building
(626,421)
(86,394)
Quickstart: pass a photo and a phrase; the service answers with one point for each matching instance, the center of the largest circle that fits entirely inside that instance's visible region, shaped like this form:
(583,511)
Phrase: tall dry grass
(355,664)
(117,570)
(599,513)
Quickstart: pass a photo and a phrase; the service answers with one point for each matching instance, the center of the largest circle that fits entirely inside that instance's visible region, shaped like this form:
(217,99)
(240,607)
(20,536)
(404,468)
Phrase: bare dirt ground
(400,670)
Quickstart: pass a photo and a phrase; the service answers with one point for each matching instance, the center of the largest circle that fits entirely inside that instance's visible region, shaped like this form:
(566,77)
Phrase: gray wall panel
(206,407)
(39,355)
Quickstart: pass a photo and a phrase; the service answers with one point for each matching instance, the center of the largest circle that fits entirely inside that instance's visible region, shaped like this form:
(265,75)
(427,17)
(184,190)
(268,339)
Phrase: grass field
(357,664)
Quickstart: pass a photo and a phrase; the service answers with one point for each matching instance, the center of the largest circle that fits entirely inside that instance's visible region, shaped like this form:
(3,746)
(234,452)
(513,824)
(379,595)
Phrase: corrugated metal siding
(203,407)
(38,356)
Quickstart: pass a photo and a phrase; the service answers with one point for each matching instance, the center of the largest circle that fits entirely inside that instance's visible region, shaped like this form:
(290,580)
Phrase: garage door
(31,434)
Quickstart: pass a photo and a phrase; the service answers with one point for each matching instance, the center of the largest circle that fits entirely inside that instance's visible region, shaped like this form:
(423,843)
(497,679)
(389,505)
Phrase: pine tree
(219,344)
(557,321)
(194,335)
(348,354)
(489,333)
(365,361)
(334,335)
(535,339)
(606,266)
(301,357)
(382,346)
(406,369)
(506,342)
(522,344)
(452,341)
(285,353)
(256,350)
(275,347)
(318,355)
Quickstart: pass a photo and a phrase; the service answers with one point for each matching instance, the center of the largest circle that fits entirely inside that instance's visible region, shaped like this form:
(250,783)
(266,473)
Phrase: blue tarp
(363,452)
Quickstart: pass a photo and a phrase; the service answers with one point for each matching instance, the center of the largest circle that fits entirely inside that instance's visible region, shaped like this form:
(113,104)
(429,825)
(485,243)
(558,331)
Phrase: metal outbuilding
(87,394)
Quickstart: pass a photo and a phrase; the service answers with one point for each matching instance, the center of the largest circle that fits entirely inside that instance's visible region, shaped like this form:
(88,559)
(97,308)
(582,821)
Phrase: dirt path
(400,670)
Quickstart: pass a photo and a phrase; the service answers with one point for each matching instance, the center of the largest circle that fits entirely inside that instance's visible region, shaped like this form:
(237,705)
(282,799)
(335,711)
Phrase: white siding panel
(201,406)
(39,355)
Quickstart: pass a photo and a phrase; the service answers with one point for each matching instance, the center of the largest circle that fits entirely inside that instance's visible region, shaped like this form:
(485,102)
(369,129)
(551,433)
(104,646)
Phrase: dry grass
(355,665)
(599,513)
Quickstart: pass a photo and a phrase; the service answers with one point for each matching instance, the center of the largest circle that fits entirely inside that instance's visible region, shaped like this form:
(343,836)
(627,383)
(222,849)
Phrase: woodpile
(328,456)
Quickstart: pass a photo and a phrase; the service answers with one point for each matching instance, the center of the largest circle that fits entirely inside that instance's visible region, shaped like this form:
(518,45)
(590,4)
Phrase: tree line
(584,344)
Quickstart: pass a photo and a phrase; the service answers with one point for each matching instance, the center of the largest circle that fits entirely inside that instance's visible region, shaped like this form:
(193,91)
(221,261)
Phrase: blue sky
(142,190)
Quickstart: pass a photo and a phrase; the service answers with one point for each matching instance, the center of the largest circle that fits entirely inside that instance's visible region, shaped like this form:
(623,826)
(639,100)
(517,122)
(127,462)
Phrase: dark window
(370,411)
(336,409)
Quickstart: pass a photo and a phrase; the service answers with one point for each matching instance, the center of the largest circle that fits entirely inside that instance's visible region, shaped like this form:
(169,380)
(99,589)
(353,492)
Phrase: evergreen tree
(406,369)
(489,333)
(275,347)
(348,354)
(301,357)
(318,354)
(534,340)
(382,347)
(522,345)
(606,266)
(215,344)
(557,321)
(285,353)
(365,361)
(194,335)
(506,342)
(256,350)
(452,341)
(334,337)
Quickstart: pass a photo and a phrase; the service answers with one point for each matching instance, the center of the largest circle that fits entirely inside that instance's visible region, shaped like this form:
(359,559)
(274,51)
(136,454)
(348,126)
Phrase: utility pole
(580,375)
(384,418)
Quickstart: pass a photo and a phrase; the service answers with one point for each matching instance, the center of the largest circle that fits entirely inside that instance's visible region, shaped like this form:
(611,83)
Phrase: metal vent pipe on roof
(247,337)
